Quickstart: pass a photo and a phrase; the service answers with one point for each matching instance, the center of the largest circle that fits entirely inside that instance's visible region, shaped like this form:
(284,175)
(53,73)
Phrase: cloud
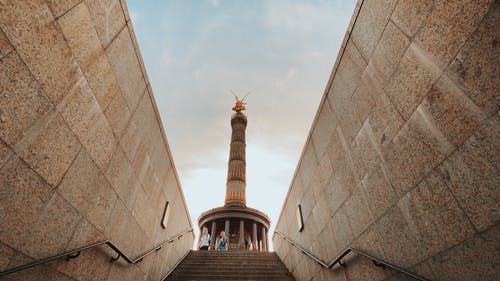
(215,3)
(281,51)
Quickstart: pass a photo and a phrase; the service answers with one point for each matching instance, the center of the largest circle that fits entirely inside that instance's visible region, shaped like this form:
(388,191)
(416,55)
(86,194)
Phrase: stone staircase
(232,265)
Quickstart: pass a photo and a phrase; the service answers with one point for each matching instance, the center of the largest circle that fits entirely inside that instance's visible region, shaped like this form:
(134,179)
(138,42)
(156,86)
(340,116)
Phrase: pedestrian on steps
(204,242)
(223,240)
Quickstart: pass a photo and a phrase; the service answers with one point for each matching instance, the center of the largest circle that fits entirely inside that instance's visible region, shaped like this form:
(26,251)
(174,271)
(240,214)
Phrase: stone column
(242,234)
(213,235)
(236,167)
(255,243)
(267,241)
(264,240)
(226,228)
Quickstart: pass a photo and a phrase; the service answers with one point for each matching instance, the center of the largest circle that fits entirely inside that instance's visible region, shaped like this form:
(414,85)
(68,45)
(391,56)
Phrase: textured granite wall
(402,160)
(83,154)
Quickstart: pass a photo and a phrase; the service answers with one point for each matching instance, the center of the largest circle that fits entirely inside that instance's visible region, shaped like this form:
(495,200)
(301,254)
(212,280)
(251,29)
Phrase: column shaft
(255,243)
(226,228)
(264,240)
(213,235)
(242,234)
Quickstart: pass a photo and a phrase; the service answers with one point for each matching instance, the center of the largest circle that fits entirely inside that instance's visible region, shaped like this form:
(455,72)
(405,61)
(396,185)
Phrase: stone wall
(402,160)
(83,153)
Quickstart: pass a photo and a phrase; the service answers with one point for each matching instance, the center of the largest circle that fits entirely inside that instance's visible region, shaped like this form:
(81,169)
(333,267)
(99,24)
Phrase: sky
(196,52)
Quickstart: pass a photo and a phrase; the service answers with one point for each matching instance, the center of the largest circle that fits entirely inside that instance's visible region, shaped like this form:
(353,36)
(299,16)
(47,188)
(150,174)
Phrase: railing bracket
(376,263)
(115,258)
(341,263)
(72,256)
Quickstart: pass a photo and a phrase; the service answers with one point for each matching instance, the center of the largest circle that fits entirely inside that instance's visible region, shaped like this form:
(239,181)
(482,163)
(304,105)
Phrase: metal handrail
(76,252)
(338,260)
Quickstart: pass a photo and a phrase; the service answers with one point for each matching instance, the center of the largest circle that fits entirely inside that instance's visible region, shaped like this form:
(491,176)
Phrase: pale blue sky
(196,51)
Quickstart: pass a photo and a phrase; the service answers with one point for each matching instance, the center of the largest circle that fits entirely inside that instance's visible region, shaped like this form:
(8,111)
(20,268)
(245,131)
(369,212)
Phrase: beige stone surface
(363,152)
(58,219)
(90,265)
(341,229)
(21,187)
(414,174)
(38,273)
(59,7)
(131,141)
(452,111)
(123,228)
(385,120)
(5,153)
(85,187)
(22,101)
(41,46)
(325,127)
(5,46)
(343,180)
(49,147)
(344,84)
(307,165)
(409,15)
(80,109)
(472,175)
(6,254)
(100,142)
(85,234)
(321,177)
(67,141)
(108,18)
(125,65)
(363,269)
(363,99)
(118,115)
(415,151)
(102,80)
(413,79)
(81,35)
(434,215)
(389,51)
(358,214)
(449,25)
(475,67)
(378,192)
(370,24)
(79,31)
(398,239)
(120,272)
(479,253)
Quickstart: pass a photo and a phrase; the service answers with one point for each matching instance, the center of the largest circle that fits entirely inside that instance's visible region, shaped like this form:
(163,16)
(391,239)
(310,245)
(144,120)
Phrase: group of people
(204,243)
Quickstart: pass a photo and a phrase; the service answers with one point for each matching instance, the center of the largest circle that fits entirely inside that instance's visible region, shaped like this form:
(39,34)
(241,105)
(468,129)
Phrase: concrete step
(225,267)
(185,277)
(240,265)
(210,278)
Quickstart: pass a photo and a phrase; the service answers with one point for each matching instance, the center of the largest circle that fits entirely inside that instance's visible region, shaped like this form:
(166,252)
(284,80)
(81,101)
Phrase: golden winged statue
(240,103)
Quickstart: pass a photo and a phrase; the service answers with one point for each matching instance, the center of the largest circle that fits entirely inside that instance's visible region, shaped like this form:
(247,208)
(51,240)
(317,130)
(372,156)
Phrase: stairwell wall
(402,158)
(83,152)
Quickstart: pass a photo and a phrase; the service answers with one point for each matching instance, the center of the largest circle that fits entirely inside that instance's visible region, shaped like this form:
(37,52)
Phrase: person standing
(223,240)
(204,242)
